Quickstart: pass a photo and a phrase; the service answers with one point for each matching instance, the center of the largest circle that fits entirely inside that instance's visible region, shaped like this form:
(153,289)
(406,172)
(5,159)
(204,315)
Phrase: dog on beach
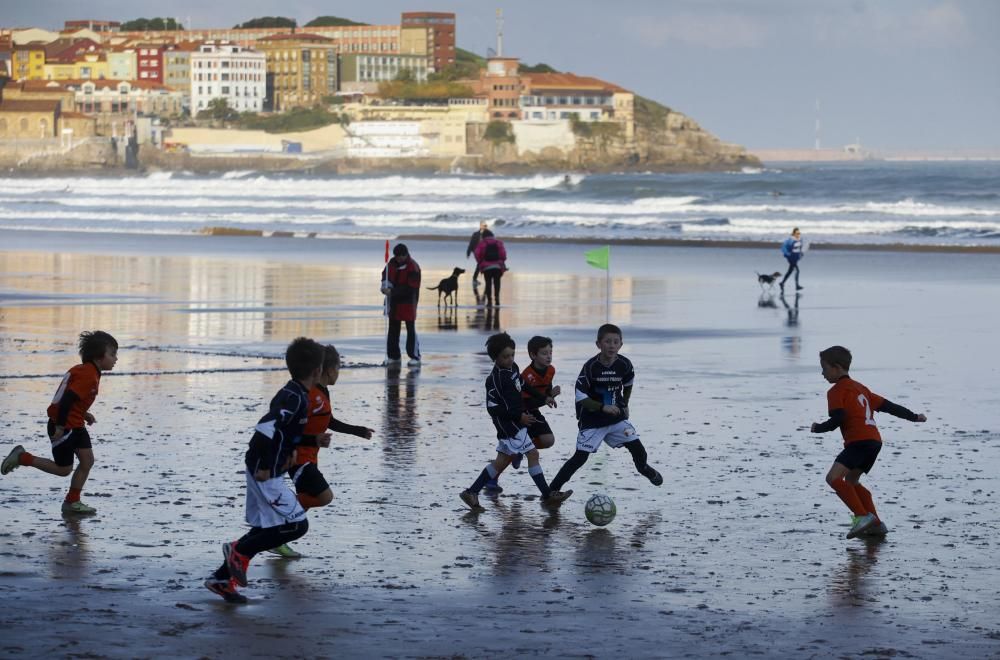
(767,280)
(448,287)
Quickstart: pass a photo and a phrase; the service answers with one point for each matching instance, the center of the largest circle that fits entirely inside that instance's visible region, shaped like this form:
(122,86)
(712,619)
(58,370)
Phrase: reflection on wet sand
(68,553)
(849,586)
(525,531)
(400,418)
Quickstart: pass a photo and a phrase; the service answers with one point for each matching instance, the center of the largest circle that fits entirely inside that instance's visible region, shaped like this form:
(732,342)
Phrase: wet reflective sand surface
(740,553)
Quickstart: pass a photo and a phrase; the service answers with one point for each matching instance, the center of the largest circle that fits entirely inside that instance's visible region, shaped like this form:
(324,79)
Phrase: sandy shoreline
(740,553)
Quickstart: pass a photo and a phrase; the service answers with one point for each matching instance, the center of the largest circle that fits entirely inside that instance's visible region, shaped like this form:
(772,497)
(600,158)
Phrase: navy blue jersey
(605,385)
(280,430)
(503,400)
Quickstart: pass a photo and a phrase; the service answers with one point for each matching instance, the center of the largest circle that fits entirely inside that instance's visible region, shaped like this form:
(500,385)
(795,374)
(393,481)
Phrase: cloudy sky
(895,73)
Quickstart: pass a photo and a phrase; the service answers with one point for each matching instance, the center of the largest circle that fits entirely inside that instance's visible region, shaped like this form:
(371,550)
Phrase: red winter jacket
(405,292)
(484,263)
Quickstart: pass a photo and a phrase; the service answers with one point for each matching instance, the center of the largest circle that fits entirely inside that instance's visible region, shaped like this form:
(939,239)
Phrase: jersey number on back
(863,400)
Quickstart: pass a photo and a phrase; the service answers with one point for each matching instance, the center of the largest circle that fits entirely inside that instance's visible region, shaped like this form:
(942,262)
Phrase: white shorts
(519,444)
(272,503)
(615,436)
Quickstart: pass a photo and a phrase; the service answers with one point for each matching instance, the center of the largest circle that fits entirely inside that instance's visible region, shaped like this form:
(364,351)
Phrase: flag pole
(607,291)
(385,303)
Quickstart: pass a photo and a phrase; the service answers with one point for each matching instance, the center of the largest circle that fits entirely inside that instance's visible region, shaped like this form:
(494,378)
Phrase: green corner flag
(599,258)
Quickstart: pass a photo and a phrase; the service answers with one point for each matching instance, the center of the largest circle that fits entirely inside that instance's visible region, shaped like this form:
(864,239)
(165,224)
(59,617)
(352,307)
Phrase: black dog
(767,280)
(448,287)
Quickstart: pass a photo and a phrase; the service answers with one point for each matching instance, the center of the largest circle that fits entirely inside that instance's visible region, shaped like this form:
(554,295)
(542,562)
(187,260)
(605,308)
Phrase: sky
(894,74)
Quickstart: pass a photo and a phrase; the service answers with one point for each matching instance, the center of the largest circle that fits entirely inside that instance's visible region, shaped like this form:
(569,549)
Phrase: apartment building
(230,72)
(301,70)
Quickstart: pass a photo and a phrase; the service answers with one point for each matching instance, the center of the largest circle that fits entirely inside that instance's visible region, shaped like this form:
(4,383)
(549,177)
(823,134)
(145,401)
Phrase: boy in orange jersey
(69,417)
(852,407)
(310,485)
(537,392)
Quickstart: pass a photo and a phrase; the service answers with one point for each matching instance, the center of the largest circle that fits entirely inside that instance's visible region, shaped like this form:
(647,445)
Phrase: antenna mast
(499,32)
(817,125)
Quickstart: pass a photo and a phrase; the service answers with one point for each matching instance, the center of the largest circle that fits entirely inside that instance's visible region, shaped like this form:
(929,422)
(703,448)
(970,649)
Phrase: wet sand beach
(740,553)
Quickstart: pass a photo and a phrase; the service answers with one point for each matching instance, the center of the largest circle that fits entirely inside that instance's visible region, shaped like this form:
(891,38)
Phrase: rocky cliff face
(664,140)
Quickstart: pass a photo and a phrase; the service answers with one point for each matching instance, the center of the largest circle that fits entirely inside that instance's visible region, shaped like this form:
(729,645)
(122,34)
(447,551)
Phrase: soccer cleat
(492,487)
(236,562)
(77,508)
(286,551)
(11,463)
(862,525)
(557,497)
(226,589)
(876,530)
(471,500)
(515,462)
(656,479)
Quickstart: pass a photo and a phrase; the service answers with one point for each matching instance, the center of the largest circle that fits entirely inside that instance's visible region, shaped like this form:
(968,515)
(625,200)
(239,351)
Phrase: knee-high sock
(866,499)
(574,463)
(847,493)
(259,539)
(489,472)
(536,475)
(639,458)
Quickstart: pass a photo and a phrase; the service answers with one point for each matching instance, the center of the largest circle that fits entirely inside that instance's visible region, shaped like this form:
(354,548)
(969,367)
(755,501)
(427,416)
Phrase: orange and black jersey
(537,386)
(321,420)
(75,395)
(852,409)
(503,400)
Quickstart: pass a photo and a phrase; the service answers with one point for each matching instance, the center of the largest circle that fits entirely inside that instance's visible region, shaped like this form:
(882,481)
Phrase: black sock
(536,475)
(639,458)
(481,480)
(574,463)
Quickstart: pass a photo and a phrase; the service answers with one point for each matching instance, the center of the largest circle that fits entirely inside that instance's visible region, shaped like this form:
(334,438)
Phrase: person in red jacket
(401,285)
(491,257)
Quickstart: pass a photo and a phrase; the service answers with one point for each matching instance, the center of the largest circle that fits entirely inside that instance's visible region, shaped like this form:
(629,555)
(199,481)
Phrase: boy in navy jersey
(273,512)
(602,393)
(506,409)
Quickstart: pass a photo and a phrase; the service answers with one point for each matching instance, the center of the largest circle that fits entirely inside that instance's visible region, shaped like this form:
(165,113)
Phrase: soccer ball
(600,510)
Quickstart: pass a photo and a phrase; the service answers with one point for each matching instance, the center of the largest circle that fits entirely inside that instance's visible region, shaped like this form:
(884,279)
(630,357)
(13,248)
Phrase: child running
(310,484)
(538,391)
(852,407)
(272,510)
(603,390)
(506,409)
(69,417)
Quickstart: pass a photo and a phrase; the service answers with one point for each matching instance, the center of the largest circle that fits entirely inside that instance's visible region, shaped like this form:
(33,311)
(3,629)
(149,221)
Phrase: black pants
(492,277)
(792,265)
(392,340)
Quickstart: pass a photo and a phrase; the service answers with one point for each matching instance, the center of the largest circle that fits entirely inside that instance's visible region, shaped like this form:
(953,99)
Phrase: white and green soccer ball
(600,510)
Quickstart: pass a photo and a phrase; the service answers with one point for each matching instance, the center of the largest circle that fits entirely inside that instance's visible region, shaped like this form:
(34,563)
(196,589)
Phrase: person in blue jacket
(792,251)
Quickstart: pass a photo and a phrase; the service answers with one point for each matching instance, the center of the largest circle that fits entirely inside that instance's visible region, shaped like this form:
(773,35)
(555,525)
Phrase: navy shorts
(64,449)
(540,427)
(309,480)
(860,455)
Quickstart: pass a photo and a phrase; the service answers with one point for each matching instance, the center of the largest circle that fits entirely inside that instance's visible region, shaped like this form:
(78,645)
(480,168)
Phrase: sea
(872,202)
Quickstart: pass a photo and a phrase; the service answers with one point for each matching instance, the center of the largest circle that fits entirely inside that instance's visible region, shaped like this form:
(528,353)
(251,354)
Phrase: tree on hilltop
(147,24)
(267,22)
(331,21)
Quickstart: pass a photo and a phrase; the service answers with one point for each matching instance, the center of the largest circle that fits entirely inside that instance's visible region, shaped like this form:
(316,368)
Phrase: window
(24,123)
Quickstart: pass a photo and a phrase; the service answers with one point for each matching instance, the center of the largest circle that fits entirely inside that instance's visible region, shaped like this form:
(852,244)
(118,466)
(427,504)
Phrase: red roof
(569,81)
(19,105)
(76,115)
(296,36)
